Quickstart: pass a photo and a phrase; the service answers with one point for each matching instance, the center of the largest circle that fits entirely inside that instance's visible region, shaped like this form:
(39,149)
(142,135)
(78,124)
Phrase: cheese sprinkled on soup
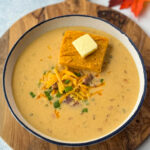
(74,104)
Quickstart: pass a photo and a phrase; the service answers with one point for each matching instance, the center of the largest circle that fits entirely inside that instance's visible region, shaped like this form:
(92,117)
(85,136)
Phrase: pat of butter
(85,45)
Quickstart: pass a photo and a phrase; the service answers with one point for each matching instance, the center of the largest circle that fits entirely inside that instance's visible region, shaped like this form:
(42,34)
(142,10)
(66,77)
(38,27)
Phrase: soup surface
(105,112)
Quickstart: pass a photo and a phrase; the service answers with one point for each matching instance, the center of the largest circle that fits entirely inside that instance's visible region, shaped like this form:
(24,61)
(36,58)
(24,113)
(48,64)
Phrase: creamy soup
(105,112)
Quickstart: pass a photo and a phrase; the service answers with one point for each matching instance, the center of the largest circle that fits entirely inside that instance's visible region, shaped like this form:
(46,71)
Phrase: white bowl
(63,21)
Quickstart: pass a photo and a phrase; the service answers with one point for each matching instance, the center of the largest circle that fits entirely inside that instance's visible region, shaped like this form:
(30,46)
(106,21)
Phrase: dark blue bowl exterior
(84,143)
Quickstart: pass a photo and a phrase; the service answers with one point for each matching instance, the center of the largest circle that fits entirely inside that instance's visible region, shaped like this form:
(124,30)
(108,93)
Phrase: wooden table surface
(132,136)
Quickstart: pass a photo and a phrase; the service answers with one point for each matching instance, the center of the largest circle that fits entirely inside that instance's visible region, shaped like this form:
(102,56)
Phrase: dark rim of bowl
(94,140)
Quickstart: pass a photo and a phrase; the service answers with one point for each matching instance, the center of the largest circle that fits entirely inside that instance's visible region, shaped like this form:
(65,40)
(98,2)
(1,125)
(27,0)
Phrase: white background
(12,10)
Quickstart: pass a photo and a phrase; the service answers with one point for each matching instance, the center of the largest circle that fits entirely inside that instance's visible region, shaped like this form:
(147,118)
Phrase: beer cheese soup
(72,98)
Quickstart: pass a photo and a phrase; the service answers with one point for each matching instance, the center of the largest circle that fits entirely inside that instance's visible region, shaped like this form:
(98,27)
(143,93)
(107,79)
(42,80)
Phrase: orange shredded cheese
(60,84)
(79,90)
(56,113)
(69,73)
(40,95)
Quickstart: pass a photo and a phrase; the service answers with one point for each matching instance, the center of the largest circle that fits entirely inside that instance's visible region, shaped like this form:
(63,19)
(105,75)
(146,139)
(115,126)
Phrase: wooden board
(132,136)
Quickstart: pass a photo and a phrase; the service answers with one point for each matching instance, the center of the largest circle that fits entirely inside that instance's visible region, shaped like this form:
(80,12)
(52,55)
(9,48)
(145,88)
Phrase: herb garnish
(56,104)
(77,74)
(123,110)
(50,89)
(47,94)
(84,110)
(93,99)
(58,94)
(68,88)
(32,94)
(44,72)
(86,102)
(101,80)
(66,81)
(39,84)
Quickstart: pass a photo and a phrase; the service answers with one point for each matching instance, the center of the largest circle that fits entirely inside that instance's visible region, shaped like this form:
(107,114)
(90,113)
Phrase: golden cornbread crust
(70,57)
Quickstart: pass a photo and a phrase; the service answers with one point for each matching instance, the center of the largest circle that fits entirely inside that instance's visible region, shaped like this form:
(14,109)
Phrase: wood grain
(132,136)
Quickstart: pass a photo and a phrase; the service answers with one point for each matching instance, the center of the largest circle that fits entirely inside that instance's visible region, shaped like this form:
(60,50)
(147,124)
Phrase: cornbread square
(70,57)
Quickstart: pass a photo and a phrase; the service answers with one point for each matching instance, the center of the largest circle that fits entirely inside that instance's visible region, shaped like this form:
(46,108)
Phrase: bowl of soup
(65,95)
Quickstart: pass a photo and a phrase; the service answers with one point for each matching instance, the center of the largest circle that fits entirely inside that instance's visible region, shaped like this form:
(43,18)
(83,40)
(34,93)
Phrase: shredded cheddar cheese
(60,84)
(75,87)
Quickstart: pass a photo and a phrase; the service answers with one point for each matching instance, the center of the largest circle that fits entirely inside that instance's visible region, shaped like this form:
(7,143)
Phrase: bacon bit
(88,79)
(64,96)
(56,113)
(41,59)
(97,75)
(76,103)
(68,99)
(49,57)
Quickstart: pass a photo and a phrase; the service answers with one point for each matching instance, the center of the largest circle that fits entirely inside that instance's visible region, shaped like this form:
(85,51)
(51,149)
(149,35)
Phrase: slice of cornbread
(70,57)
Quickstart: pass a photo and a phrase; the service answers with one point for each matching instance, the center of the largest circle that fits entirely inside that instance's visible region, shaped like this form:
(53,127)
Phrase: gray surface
(12,10)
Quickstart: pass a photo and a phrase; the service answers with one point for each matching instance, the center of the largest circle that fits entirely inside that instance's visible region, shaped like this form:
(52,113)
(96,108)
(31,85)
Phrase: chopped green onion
(50,89)
(56,104)
(39,84)
(44,72)
(32,94)
(101,80)
(86,102)
(66,81)
(84,110)
(77,74)
(52,67)
(68,88)
(93,99)
(47,94)
(58,94)
(123,110)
